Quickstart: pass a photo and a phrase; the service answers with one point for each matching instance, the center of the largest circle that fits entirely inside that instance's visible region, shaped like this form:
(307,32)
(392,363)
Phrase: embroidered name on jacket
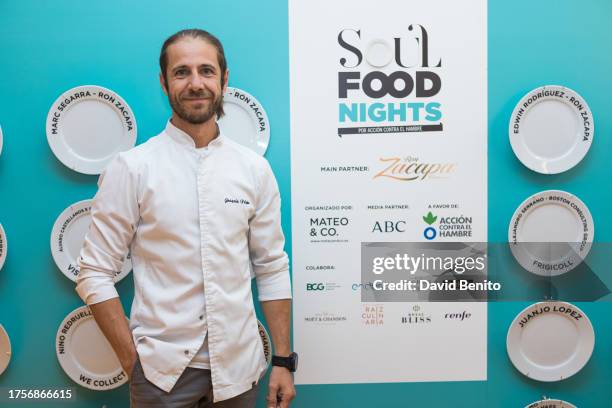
(237,201)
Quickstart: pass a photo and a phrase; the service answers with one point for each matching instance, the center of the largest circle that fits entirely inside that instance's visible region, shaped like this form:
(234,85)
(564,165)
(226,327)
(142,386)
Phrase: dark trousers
(192,390)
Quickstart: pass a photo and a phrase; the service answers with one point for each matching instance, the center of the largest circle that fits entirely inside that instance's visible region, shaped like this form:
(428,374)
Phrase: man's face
(194,80)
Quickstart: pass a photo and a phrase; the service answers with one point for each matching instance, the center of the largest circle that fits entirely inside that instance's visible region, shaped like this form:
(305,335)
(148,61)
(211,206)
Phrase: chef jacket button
(201,317)
(186,352)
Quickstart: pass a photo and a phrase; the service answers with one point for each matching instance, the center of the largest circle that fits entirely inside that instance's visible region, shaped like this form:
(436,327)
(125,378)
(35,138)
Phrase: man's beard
(195,117)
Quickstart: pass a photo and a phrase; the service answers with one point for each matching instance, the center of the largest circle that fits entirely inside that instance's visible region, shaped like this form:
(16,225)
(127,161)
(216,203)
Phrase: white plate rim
(59,149)
(266,344)
(60,257)
(3,246)
(581,357)
(70,367)
(263,138)
(565,162)
(4,335)
(523,257)
(547,402)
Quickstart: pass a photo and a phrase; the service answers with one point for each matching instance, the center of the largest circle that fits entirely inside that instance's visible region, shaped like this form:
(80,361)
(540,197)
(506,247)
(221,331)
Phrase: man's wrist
(290,362)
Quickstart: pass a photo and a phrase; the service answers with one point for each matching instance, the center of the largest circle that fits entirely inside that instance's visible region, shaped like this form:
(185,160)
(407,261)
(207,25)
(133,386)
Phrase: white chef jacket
(193,220)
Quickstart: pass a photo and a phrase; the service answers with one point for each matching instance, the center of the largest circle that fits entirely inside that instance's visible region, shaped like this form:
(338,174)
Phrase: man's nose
(196,81)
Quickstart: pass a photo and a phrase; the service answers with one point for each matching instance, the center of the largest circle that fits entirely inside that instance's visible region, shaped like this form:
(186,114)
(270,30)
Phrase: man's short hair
(194,33)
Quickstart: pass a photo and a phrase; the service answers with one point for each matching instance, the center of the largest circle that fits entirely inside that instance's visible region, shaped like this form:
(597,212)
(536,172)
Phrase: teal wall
(47,47)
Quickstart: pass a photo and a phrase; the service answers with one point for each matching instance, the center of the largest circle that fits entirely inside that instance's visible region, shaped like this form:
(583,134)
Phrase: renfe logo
(396,68)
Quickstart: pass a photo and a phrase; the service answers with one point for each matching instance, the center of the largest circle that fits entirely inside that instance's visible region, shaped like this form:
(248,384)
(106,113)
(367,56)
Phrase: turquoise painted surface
(48,47)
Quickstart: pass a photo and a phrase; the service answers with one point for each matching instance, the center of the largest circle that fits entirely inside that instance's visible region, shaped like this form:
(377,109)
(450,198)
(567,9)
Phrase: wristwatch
(290,363)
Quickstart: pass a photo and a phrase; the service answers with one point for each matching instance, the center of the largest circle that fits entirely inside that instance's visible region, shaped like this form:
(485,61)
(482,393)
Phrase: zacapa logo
(388,84)
(416,316)
(409,168)
(372,315)
(455,226)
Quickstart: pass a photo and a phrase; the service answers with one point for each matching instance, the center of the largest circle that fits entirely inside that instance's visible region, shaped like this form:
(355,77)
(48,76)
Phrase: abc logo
(315,286)
(389,226)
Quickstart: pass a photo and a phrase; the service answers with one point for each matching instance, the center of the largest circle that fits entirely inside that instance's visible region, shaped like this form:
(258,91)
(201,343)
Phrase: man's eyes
(185,72)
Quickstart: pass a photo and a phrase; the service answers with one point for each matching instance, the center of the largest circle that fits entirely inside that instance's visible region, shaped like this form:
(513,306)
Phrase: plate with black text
(551,129)
(266,344)
(3,246)
(84,353)
(68,236)
(87,126)
(549,403)
(245,120)
(550,341)
(551,233)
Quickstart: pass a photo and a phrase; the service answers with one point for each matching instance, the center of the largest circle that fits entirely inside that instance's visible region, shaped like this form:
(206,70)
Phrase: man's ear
(225,80)
(162,82)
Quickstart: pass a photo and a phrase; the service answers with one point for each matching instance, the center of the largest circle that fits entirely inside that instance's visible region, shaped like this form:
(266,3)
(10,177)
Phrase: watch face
(295,361)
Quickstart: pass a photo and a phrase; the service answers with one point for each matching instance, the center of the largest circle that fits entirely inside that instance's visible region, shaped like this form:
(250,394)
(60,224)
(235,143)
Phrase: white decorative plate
(3,246)
(87,126)
(5,349)
(551,129)
(68,236)
(266,343)
(551,233)
(550,341)
(245,120)
(85,354)
(548,403)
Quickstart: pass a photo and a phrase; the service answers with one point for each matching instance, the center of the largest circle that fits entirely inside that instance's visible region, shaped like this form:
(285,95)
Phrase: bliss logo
(416,316)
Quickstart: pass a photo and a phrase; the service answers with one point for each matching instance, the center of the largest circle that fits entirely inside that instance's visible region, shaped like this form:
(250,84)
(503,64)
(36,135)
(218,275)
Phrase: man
(196,210)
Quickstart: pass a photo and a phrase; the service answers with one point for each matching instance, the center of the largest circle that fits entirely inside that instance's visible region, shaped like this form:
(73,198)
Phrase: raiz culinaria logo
(388,84)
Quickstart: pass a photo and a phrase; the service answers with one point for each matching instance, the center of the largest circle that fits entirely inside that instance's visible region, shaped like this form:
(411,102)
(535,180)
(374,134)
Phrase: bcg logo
(315,286)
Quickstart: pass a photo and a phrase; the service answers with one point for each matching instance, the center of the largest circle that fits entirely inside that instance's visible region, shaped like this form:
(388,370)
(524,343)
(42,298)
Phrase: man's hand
(113,324)
(280,388)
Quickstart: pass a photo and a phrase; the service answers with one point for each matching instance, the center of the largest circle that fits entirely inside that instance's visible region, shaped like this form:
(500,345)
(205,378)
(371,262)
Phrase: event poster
(388,144)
